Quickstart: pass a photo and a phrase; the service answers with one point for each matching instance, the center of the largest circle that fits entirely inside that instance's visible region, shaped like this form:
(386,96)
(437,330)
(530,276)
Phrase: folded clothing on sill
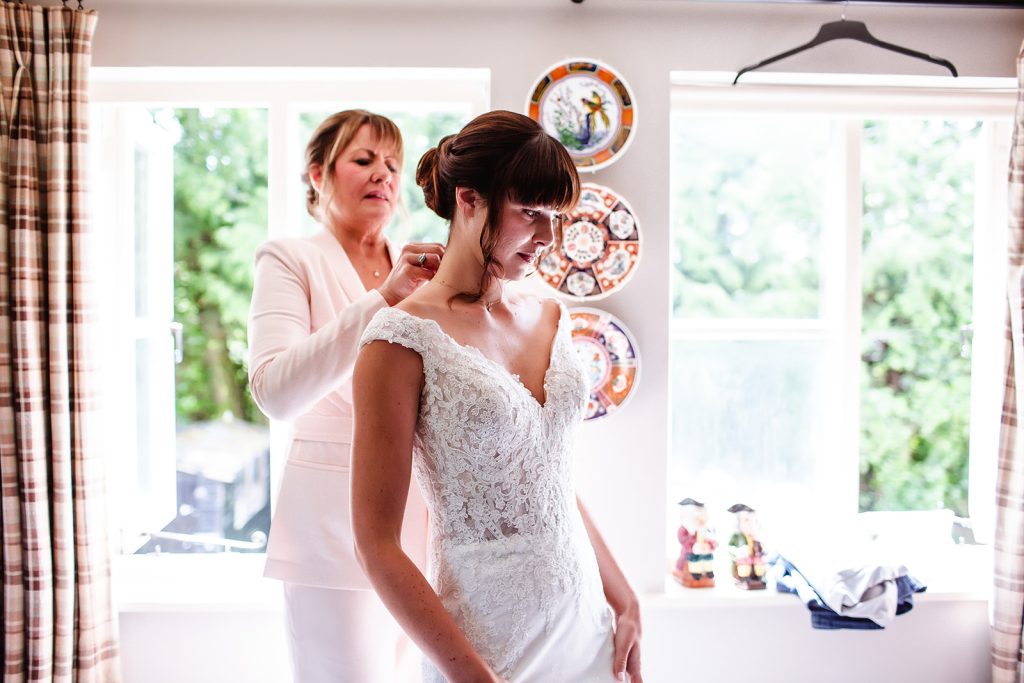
(865,598)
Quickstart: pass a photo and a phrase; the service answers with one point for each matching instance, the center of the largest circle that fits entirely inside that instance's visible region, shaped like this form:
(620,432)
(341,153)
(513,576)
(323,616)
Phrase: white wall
(940,641)
(623,472)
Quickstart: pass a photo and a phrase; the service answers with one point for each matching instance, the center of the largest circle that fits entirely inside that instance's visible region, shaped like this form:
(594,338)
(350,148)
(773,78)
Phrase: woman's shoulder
(546,307)
(403,324)
(421,307)
(289,249)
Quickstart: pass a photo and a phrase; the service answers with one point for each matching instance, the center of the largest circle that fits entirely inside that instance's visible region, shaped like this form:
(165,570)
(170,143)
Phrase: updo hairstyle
(502,156)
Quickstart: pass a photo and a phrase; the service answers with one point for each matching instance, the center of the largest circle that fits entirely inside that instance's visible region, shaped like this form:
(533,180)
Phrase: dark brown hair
(329,140)
(502,156)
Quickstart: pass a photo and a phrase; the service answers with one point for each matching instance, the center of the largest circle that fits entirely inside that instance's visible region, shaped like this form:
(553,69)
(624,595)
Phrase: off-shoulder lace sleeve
(508,546)
(398,327)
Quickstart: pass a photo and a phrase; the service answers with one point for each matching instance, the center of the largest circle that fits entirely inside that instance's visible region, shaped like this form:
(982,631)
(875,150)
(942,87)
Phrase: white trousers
(343,636)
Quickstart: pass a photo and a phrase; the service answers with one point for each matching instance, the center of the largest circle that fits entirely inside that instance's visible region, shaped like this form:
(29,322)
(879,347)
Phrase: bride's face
(523,234)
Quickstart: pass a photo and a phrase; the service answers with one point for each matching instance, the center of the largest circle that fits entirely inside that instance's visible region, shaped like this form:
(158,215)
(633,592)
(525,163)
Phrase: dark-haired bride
(478,392)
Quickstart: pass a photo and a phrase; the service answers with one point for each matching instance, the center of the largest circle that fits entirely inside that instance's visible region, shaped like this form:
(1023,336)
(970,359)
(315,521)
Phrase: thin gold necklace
(488,305)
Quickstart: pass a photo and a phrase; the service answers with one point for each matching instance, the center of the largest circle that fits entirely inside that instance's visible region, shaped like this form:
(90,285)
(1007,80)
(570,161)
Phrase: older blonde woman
(312,299)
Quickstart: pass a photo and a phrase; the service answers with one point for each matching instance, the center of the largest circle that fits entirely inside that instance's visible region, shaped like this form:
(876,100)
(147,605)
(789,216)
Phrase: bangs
(385,130)
(542,173)
(382,128)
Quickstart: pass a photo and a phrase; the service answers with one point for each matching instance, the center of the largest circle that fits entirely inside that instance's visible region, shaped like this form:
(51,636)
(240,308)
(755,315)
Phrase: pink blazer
(309,309)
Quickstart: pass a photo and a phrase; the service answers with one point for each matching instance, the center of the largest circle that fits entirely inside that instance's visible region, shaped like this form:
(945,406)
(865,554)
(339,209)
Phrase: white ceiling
(380,4)
(524,5)
(476,5)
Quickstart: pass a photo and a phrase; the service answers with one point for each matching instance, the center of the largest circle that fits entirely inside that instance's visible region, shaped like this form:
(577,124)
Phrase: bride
(478,392)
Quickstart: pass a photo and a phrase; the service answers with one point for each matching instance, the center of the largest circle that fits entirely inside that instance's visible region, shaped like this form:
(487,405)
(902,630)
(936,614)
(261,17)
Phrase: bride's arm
(386,390)
(623,601)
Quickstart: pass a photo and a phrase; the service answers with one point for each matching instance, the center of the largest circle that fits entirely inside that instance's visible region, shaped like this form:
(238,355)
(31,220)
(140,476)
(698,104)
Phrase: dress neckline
(469,348)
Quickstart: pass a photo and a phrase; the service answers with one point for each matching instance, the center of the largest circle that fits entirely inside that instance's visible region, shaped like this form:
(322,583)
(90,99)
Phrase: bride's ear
(468,201)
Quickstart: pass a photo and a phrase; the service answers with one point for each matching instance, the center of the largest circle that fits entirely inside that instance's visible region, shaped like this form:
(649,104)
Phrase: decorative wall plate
(600,247)
(587,106)
(610,356)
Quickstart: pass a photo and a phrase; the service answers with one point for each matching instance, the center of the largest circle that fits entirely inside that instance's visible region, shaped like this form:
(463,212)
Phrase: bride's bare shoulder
(544,307)
(424,303)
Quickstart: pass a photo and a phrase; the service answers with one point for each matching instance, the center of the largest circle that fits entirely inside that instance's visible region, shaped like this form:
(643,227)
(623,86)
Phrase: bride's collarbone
(519,341)
(516,347)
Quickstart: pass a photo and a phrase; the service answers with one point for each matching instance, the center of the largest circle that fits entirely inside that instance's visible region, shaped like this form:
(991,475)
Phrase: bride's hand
(627,645)
(478,672)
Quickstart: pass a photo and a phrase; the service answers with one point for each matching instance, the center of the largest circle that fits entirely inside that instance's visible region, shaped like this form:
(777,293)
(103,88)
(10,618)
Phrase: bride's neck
(462,271)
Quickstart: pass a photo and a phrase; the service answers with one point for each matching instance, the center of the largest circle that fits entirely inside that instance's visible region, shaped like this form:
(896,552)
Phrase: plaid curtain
(58,620)
(1008,595)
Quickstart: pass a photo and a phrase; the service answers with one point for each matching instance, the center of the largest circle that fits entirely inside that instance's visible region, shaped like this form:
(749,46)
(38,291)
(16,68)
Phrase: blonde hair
(327,143)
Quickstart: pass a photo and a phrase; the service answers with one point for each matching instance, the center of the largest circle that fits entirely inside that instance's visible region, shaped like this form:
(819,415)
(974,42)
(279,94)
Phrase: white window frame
(231,580)
(853,98)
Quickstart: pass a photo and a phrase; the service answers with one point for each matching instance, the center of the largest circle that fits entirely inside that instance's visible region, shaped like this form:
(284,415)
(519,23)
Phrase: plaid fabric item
(1008,595)
(58,620)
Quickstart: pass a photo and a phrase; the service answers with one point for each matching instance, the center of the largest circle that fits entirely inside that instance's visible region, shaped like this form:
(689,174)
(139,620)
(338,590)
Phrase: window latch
(178,332)
(966,334)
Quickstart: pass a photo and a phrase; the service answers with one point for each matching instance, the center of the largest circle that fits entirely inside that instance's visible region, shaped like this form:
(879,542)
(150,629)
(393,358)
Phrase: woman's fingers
(633,664)
(626,660)
(418,248)
(423,259)
(622,645)
(416,264)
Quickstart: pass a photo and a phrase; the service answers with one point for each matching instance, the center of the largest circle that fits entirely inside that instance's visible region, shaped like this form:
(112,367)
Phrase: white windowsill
(234,583)
(194,583)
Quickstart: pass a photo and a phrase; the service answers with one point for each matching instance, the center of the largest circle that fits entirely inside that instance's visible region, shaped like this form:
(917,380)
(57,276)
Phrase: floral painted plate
(610,357)
(600,247)
(587,106)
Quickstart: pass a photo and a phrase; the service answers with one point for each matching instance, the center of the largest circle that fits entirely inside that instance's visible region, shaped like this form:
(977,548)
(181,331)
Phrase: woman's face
(367,182)
(525,232)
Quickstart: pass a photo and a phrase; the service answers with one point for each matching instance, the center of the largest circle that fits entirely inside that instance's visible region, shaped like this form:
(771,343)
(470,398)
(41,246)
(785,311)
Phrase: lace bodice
(493,461)
(496,469)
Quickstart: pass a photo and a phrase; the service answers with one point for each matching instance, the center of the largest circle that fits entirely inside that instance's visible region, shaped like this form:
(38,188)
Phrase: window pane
(421,130)
(746,422)
(918,185)
(747,206)
(220,207)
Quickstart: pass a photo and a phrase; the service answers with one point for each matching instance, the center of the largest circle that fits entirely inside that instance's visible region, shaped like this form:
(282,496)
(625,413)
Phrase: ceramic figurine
(748,566)
(695,567)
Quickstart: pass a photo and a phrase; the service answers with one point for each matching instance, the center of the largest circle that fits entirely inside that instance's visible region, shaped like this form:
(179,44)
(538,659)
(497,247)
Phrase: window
(186,205)
(195,168)
(835,298)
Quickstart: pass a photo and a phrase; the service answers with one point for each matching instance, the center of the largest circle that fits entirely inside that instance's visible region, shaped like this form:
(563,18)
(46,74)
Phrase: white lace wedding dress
(510,557)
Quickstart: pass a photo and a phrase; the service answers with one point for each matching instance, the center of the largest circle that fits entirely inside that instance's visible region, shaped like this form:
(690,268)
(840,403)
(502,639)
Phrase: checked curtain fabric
(1008,589)
(58,621)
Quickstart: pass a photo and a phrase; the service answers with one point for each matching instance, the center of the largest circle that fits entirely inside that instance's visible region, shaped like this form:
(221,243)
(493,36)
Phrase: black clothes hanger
(854,30)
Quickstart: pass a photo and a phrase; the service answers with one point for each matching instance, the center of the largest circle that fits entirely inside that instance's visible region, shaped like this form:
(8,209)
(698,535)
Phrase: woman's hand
(408,273)
(627,644)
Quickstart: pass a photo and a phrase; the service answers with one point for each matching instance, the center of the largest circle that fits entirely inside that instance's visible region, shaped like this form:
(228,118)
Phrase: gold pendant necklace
(488,305)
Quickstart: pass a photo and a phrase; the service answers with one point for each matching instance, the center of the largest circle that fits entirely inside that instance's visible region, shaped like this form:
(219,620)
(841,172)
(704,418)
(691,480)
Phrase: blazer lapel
(342,265)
